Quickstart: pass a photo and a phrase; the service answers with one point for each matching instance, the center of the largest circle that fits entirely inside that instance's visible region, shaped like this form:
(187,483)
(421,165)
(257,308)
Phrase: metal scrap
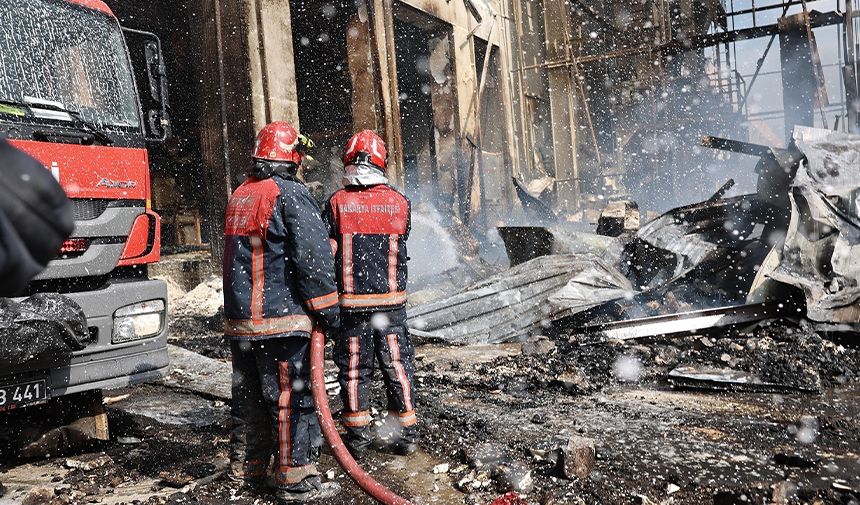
(821,254)
(513,304)
(681,324)
(725,262)
(533,207)
(726,379)
(733,261)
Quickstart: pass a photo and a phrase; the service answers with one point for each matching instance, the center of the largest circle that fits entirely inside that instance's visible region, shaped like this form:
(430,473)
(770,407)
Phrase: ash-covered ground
(513,416)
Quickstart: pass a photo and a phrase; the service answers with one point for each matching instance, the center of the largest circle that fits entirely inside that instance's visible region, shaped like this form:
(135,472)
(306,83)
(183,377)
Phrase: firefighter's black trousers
(273,411)
(381,336)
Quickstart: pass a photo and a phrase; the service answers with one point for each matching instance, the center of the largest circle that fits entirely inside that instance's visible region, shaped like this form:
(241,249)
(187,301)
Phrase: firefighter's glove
(330,325)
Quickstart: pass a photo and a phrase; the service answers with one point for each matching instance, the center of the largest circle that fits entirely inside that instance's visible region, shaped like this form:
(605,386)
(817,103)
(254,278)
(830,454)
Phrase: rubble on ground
(619,217)
(794,357)
(196,318)
(821,255)
(442,259)
(724,255)
(464,399)
(566,411)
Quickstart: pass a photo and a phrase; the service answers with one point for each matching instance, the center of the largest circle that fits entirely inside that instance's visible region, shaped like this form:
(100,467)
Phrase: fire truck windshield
(59,51)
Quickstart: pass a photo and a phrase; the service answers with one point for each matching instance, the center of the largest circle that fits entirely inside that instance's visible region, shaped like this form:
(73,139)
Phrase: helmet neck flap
(363,175)
(264,169)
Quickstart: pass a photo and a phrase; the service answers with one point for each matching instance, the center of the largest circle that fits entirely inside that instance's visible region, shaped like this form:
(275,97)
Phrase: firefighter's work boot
(402,448)
(357,446)
(358,441)
(308,490)
(254,482)
(399,448)
(401,441)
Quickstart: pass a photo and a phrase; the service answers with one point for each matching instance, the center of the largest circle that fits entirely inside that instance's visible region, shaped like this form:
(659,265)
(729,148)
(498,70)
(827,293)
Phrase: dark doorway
(416,108)
(323,84)
(429,123)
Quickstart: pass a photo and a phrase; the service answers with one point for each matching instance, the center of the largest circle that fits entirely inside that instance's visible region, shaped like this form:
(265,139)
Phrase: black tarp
(41,327)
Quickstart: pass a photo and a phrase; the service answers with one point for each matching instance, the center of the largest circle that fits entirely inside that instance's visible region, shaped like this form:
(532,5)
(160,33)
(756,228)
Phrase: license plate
(22,394)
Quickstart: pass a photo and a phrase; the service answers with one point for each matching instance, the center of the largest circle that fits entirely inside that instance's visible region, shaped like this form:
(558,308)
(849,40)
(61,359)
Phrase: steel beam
(685,323)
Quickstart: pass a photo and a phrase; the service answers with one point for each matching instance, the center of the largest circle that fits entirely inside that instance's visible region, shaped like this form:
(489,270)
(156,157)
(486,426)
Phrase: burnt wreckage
(788,251)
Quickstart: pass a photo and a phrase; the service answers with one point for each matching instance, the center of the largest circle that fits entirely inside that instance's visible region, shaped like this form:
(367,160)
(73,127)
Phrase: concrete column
(248,80)
(382,35)
(799,83)
(270,60)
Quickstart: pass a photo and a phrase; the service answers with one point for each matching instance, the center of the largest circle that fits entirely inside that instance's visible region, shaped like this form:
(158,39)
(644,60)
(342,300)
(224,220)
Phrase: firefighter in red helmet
(369,222)
(278,282)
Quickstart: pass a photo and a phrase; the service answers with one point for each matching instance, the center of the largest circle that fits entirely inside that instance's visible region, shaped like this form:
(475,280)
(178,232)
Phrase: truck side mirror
(151,78)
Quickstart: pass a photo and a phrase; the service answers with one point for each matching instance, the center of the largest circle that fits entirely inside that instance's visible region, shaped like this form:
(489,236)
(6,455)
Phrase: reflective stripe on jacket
(370,225)
(278,265)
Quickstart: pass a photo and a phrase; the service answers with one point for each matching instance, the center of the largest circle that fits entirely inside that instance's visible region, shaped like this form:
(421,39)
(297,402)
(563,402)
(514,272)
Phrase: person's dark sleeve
(309,248)
(17,265)
(408,219)
(38,217)
(328,219)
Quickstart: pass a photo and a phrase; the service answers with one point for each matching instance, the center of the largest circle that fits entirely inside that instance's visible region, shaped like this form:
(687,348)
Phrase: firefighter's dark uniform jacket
(278,265)
(370,225)
(278,278)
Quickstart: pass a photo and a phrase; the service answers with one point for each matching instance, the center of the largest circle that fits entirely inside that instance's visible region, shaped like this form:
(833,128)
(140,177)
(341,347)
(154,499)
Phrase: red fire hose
(341,454)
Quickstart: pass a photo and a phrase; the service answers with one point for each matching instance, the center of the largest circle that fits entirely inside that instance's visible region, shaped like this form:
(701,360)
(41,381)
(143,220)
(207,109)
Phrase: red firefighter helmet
(366,148)
(278,141)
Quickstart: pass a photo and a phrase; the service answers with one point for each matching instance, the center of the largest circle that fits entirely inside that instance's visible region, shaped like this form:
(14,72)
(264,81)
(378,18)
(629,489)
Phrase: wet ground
(654,444)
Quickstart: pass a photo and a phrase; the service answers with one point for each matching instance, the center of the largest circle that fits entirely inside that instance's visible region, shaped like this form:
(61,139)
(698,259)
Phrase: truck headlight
(138,321)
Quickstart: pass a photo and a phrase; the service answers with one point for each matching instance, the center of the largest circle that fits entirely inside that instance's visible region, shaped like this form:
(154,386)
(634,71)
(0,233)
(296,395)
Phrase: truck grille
(88,208)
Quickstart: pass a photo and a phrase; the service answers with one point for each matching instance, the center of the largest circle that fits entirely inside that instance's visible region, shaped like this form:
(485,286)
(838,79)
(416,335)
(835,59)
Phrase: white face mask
(363,175)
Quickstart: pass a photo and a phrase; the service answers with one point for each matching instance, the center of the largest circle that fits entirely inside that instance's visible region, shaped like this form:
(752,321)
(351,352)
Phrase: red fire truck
(83,96)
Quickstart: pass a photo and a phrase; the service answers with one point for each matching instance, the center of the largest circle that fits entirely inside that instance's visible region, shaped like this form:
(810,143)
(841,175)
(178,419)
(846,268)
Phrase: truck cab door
(151,77)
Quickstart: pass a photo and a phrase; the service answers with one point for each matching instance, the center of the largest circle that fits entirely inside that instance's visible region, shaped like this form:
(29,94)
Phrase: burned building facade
(589,101)
(412,71)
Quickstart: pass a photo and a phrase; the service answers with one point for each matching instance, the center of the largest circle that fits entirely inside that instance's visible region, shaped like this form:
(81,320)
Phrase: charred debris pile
(758,292)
